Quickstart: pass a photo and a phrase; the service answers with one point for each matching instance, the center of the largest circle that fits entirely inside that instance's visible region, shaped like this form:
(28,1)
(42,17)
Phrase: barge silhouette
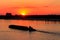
(24,28)
(30,29)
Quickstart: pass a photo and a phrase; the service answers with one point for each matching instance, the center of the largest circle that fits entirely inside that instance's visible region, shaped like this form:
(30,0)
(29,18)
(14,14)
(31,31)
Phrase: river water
(11,34)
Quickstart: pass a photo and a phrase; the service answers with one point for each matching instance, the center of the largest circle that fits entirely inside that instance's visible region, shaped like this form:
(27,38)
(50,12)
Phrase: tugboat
(24,28)
(31,29)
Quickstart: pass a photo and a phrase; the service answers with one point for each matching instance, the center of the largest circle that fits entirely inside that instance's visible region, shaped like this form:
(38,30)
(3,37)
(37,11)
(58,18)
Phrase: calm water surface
(11,34)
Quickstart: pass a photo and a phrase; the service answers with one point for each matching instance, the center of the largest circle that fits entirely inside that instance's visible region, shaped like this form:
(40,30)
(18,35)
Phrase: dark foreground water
(12,34)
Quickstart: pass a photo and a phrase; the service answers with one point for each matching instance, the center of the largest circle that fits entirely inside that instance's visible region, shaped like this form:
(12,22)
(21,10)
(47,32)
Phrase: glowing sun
(23,11)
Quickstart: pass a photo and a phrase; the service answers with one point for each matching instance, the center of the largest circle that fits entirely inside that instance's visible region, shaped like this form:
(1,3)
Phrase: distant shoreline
(8,16)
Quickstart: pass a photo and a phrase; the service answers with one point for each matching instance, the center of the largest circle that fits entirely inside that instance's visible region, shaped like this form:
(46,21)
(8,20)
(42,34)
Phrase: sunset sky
(30,7)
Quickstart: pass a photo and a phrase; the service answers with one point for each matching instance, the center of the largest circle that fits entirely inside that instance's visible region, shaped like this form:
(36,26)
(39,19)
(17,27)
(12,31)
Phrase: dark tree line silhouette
(31,17)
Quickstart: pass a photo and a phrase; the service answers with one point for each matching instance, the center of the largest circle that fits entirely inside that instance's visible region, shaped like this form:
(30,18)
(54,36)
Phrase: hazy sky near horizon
(34,7)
